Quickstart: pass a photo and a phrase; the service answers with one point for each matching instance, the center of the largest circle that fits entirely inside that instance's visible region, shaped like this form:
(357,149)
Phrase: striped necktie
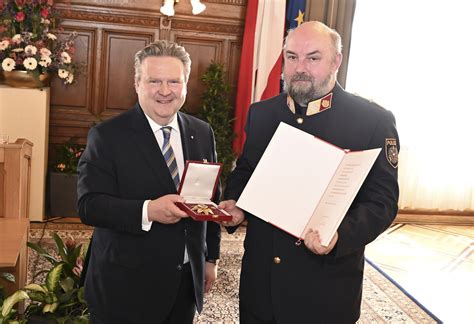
(168,154)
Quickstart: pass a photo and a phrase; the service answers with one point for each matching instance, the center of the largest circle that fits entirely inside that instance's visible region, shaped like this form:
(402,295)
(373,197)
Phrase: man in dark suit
(149,262)
(284,282)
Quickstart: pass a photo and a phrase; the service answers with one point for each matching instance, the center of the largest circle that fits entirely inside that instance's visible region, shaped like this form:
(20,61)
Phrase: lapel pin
(192,136)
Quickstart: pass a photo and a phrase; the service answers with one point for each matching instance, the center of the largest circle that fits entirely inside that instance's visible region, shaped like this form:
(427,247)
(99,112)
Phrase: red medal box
(198,186)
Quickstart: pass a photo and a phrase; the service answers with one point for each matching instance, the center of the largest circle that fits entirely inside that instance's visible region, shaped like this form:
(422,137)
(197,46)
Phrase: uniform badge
(391,151)
(325,103)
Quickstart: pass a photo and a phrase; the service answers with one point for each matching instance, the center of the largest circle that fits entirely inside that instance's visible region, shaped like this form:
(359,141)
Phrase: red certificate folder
(198,186)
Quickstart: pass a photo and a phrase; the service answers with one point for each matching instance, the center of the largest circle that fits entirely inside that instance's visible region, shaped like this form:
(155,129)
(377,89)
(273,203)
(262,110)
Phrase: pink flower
(44,13)
(70,244)
(20,16)
(77,270)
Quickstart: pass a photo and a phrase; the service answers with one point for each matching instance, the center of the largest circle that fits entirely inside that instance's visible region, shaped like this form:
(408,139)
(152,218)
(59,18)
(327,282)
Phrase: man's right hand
(164,210)
(237,213)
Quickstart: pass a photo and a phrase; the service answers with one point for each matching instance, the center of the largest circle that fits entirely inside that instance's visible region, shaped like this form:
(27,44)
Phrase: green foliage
(60,297)
(8,313)
(66,157)
(217,111)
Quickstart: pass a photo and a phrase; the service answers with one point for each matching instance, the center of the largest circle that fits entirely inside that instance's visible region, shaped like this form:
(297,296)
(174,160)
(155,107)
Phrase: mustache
(301,77)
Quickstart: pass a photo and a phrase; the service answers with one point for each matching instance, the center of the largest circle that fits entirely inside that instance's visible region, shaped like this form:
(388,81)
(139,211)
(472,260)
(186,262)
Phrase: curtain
(420,67)
(339,15)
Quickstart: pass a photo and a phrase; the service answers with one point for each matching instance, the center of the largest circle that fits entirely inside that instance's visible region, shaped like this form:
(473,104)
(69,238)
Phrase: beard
(305,92)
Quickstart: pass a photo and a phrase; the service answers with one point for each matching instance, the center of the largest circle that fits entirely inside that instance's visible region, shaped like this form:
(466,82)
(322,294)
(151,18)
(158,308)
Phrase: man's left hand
(210,275)
(312,240)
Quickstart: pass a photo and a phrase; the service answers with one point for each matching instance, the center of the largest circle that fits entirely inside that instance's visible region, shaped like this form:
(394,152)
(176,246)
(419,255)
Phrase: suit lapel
(146,142)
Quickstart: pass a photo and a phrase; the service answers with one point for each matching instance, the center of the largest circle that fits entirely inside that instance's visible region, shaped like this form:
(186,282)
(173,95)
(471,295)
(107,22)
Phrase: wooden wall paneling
(119,48)
(203,50)
(71,113)
(109,34)
(80,93)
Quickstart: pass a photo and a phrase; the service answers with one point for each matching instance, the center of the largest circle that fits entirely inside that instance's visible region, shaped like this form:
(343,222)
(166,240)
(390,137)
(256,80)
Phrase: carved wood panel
(202,51)
(118,65)
(110,35)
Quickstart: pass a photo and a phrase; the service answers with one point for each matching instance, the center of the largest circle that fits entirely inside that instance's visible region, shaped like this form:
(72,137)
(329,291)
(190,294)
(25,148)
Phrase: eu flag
(295,13)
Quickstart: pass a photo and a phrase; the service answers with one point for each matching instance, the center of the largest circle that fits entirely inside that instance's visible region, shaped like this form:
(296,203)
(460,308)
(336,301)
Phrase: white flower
(51,36)
(45,61)
(45,52)
(65,58)
(17,50)
(17,39)
(69,78)
(8,64)
(63,74)
(30,63)
(45,21)
(4,45)
(31,50)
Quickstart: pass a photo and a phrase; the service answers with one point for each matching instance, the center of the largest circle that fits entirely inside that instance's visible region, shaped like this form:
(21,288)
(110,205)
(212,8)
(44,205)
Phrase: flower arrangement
(28,41)
(66,158)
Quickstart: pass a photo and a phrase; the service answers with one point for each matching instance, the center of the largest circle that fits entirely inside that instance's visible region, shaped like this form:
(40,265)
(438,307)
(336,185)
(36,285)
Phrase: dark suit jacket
(304,287)
(133,276)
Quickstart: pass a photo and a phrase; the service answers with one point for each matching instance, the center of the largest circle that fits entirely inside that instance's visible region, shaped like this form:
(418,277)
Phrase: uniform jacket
(133,275)
(304,287)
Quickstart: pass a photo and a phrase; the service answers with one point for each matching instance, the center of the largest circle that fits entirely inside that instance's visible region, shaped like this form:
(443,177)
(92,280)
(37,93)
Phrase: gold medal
(202,209)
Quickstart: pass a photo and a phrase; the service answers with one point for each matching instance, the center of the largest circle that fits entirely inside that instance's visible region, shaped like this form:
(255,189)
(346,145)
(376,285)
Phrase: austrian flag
(260,63)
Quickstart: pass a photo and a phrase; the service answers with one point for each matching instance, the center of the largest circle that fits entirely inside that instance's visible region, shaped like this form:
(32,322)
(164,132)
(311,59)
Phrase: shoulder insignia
(391,151)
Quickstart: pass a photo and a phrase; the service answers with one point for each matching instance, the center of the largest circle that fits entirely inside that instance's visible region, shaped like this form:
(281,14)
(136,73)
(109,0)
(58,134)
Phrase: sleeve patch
(391,151)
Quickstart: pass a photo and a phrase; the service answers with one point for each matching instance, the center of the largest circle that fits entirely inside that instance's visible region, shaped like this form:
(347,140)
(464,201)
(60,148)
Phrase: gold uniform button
(299,120)
(276,260)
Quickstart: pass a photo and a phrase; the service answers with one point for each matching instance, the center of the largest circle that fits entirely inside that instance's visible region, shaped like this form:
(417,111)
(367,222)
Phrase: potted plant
(217,111)
(59,298)
(62,180)
(30,48)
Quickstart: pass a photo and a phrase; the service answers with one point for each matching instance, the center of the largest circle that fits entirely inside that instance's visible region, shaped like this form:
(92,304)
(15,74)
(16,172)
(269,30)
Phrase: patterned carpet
(383,301)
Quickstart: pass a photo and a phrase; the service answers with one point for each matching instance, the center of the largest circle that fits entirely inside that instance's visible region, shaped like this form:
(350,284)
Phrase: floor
(434,264)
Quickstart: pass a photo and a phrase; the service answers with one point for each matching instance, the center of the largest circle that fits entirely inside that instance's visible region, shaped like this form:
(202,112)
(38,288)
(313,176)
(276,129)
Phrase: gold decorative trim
(111,18)
(233,2)
(152,21)
(204,26)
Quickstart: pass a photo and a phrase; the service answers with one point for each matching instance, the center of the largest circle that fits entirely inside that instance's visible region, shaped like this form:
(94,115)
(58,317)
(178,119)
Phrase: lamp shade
(198,7)
(168,8)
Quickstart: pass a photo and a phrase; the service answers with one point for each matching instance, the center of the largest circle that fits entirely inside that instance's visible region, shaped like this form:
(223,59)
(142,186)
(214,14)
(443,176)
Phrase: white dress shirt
(176,144)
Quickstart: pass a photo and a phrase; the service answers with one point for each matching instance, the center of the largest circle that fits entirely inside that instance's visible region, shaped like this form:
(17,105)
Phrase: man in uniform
(282,282)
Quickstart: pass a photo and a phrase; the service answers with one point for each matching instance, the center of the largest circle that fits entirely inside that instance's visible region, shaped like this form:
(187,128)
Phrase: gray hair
(163,48)
(335,37)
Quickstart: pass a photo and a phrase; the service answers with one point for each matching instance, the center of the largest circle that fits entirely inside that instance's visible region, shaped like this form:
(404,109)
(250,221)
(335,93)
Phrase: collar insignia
(315,106)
